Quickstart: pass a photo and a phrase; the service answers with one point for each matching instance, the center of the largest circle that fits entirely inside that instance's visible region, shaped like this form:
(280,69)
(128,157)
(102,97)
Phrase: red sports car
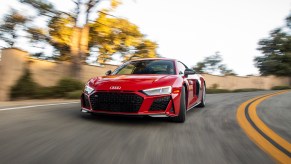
(156,87)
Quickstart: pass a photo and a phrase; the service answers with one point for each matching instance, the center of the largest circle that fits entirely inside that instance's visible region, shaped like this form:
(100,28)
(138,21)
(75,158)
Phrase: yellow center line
(264,127)
(255,136)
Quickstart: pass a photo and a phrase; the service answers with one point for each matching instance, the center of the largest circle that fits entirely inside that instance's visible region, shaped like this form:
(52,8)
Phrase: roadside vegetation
(281,87)
(214,89)
(26,88)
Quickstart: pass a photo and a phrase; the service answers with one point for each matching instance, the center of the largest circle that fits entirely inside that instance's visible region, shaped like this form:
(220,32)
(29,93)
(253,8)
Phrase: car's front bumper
(154,106)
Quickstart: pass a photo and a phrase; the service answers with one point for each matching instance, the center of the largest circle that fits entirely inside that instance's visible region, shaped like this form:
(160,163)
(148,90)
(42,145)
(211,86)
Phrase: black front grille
(116,101)
(160,103)
(85,101)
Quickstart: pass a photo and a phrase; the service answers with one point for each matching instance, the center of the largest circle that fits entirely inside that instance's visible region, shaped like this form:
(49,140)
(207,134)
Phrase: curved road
(61,134)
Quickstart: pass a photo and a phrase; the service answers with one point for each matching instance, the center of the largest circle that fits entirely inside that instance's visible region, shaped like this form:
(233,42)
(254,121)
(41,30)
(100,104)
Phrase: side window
(181,68)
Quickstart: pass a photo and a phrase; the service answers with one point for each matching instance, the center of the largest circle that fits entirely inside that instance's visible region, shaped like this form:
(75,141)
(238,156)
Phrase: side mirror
(189,71)
(108,72)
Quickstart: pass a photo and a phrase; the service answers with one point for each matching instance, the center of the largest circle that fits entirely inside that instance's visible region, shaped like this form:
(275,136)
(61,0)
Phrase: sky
(190,30)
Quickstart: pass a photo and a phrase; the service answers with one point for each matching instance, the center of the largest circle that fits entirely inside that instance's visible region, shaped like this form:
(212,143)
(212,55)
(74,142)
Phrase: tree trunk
(79,49)
(84,42)
(75,71)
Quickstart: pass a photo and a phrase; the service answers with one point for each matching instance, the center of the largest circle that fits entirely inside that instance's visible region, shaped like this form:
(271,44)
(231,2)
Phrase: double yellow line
(260,133)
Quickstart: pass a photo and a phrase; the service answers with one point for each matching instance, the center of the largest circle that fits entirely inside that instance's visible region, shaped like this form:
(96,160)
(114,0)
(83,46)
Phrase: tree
(225,71)
(199,68)
(64,33)
(73,41)
(277,52)
(13,22)
(116,35)
(213,64)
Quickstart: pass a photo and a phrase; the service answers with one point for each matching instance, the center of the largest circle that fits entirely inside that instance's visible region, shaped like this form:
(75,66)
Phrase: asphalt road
(61,134)
(276,113)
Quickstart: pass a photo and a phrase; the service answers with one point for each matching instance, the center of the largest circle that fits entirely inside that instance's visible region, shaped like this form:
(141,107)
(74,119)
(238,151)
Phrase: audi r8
(155,87)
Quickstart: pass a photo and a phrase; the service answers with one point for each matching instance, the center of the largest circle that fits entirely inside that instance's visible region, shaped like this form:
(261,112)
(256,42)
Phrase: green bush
(247,90)
(25,87)
(45,92)
(74,94)
(210,91)
(281,87)
(68,85)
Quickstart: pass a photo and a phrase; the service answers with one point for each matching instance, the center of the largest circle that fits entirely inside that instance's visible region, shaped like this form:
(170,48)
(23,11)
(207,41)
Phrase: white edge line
(33,106)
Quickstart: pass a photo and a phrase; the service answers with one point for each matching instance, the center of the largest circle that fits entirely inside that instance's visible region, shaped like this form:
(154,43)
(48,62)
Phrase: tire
(202,103)
(182,114)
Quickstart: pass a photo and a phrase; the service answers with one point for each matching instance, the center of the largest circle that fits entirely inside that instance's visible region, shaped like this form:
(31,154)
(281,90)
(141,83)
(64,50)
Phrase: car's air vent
(116,101)
(85,101)
(160,103)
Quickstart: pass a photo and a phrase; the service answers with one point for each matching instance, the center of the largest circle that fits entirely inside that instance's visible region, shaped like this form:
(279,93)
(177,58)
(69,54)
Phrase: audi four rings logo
(115,87)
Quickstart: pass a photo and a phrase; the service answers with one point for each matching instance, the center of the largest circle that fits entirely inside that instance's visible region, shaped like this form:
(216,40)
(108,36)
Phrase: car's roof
(153,59)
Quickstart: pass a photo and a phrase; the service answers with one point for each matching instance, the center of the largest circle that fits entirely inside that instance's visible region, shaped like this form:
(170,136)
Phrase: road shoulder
(35,102)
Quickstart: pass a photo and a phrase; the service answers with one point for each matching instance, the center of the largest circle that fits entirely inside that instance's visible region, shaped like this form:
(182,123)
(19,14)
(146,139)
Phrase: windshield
(146,67)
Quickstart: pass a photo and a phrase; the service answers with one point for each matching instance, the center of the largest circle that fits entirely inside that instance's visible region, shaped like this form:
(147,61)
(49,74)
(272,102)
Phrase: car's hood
(131,82)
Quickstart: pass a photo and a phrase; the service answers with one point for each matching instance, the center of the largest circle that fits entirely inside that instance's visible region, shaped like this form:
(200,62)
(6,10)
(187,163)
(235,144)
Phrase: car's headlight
(88,89)
(158,91)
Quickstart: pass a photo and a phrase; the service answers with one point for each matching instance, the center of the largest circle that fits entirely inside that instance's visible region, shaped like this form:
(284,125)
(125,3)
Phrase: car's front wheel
(182,114)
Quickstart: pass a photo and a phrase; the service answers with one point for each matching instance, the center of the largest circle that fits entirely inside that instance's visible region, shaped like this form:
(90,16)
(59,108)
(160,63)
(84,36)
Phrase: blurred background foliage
(73,35)
(111,35)
(213,65)
(11,23)
(26,88)
(277,52)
